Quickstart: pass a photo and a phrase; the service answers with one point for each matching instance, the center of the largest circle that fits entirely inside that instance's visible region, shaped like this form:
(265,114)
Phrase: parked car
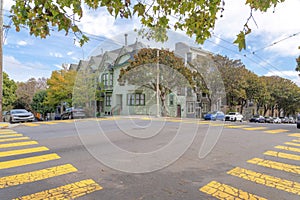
(284,119)
(73,113)
(269,119)
(277,120)
(257,118)
(18,115)
(292,120)
(234,116)
(216,115)
(298,121)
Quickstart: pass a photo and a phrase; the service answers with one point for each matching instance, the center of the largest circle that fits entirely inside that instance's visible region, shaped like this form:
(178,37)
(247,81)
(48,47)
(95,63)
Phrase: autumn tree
(9,92)
(60,87)
(148,64)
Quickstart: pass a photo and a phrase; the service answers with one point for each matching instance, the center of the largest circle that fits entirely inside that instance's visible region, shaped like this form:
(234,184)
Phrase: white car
(18,115)
(234,116)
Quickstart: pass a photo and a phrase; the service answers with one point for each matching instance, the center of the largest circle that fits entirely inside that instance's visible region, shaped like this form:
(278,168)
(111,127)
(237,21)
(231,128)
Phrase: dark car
(18,115)
(216,115)
(257,118)
(298,121)
(73,113)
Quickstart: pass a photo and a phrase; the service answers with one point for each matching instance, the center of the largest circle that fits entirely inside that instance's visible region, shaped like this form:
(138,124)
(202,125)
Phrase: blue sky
(26,56)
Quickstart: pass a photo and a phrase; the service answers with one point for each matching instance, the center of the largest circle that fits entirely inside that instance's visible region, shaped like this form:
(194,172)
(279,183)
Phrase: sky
(272,47)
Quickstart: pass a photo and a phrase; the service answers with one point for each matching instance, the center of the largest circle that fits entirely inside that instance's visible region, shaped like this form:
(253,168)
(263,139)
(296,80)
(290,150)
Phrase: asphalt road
(142,158)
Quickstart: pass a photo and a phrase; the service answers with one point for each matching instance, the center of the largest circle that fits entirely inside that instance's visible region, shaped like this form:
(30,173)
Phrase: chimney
(126,39)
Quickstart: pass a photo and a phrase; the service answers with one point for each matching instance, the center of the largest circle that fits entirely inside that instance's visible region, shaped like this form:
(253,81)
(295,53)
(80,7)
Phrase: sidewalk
(4,125)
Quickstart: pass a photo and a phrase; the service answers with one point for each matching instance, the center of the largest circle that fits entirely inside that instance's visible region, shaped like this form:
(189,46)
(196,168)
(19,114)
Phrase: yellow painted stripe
(66,121)
(22,151)
(236,126)
(69,191)
(13,139)
(255,128)
(10,135)
(275,165)
(28,161)
(31,124)
(48,122)
(17,144)
(288,148)
(296,141)
(7,132)
(3,125)
(223,191)
(267,180)
(295,134)
(292,143)
(276,131)
(38,175)
(212,124)
(282,155)
(204,122)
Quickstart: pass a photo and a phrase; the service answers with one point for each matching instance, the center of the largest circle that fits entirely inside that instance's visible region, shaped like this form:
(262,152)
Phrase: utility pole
(157,85)
(1,57)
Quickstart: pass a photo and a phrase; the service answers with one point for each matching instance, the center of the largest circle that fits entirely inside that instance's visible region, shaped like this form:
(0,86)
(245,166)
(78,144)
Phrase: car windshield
(231,113)
(18,111)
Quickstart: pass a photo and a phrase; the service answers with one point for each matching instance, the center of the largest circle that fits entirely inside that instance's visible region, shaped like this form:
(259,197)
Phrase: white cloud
(292,75)
(271,26)
(13,67)
(56,55)
(70,53)
(22,43)
(7,4)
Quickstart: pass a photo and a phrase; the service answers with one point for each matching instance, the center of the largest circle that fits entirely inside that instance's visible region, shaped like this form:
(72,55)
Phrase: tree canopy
(9,92)
(195,18)
(148,64)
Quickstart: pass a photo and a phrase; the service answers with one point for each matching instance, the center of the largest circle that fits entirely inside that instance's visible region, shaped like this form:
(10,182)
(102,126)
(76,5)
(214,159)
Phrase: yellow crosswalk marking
(69,191)
(212,124)
(10,135)
(295,134)
(292,143)
(7,132)
(282,155)
(296,141)
(287,148)
(13,139)
(236,126)
(48,123)
(28,161)
(223,191)
(255,128)
(276,131)
(38,175)
(17,144)
(267,180)
(22,151)
(275,165)
(31,124)
(3,125)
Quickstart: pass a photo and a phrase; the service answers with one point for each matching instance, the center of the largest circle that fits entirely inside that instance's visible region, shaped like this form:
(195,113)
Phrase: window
(190,107)
(189,92)
(111,79)
(181,91)
(105,79)
(108,100)
(171,99)
(136,99)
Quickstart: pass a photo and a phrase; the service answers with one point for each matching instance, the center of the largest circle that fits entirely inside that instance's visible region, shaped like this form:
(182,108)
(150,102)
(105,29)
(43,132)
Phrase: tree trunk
(164,112)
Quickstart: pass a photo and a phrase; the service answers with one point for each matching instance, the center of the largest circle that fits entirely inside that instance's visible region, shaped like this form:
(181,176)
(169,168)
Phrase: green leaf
(240,41)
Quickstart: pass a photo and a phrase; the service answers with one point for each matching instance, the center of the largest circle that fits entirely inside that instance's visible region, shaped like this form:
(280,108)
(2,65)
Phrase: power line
(274,43)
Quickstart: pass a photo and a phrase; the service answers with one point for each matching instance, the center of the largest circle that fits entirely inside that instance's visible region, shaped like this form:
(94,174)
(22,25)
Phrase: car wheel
(298,125)
(10,120)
